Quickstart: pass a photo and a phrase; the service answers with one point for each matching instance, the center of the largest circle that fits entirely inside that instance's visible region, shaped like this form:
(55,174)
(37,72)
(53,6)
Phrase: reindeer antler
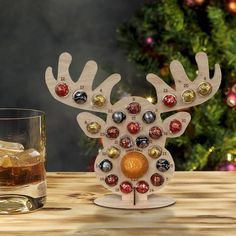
(80,94)
(186,93)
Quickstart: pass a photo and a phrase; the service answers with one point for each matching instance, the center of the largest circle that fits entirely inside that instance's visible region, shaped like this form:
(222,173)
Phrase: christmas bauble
(227,166)
(126,187)
(163,165)
(113,152)
(149,117)
(169,100)
(134,165)
(231,99)
(111,180)
(175,126)
(157,179)
(133,127)
(93,127)
(142,186)
(155,132)
(62,89)
(204,89)
(118,117)
(188,96)
(99,100)
(126,142)
(80,97)
(142,141)
(134,108)
(105,165)
(149,40)
(112,132)
(155,152)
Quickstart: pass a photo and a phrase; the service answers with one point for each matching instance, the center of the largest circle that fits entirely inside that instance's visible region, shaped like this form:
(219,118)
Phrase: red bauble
(231,99)
(175,126)
(157,179)
(226,166)
(169,100)
(155,132)
(112,132)
(133,127)
(142,186)
(134,108)
(111,180)
(62,89)
(126,187)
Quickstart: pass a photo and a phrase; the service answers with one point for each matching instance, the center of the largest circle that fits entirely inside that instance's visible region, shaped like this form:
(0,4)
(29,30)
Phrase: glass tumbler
(22,160)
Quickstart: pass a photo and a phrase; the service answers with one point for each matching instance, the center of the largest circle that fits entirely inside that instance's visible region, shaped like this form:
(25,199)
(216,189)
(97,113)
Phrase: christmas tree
(164,30)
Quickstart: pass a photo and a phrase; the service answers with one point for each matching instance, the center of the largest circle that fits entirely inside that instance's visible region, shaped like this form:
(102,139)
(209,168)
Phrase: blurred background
(127,37)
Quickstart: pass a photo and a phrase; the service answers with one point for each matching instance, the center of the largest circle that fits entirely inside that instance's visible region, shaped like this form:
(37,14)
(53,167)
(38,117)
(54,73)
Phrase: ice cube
(11,146)
(29,157)
(6,161)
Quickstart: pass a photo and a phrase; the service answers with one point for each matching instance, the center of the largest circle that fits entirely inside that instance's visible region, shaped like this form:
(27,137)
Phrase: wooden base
(115,201)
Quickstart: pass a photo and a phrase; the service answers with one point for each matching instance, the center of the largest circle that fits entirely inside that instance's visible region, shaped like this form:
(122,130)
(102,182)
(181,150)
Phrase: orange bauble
(134,165)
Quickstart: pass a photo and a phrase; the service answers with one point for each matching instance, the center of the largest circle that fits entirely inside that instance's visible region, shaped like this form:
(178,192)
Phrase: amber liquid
(15,176)
(22,188)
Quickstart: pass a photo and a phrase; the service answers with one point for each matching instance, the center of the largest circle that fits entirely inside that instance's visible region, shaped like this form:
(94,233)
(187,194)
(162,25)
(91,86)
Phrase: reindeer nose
(134,165)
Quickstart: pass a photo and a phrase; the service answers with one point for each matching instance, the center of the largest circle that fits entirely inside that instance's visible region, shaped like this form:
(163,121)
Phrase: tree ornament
(62,89)
(194,3)
(231,6)
(226,166)
(149,41)
(231,96)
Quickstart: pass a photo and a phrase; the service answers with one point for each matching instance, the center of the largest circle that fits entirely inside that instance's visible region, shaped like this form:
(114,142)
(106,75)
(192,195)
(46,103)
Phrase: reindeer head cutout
(134,162)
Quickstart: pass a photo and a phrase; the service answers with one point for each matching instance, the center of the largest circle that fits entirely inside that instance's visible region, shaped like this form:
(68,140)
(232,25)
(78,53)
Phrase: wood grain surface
(205,205)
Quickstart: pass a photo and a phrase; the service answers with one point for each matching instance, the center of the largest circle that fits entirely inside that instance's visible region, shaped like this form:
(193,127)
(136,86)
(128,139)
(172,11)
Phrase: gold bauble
(188,96)
(93,127)
(113,152)
(134,165)
(155,152)
(204,89)
(99,100)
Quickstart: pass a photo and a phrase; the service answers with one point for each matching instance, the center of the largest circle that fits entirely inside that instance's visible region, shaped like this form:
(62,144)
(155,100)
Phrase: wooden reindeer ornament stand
(134,163)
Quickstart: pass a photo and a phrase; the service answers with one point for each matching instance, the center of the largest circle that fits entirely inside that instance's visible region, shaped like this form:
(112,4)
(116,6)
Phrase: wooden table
(205,205)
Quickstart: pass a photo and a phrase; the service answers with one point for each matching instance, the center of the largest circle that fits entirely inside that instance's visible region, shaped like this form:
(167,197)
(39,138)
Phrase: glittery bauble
(142,141)
(142,186)
(99,100)
(163,165)
(126,142)
(105,165)
(111,180)
(175,126)
(227,166)
(231,99)
(204,89)
(112,132)
(157,179)
(134,165)
(118,117)
(169,100)
(149,117)
(113,152)
(62,89)
(126,187)
(133,127)
(155,152)
(93,127)
(134,108)
(188,96)
(155,132)
(80,97)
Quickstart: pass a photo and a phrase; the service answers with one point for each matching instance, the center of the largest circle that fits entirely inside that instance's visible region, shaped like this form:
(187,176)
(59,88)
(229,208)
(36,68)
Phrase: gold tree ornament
(134,163)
